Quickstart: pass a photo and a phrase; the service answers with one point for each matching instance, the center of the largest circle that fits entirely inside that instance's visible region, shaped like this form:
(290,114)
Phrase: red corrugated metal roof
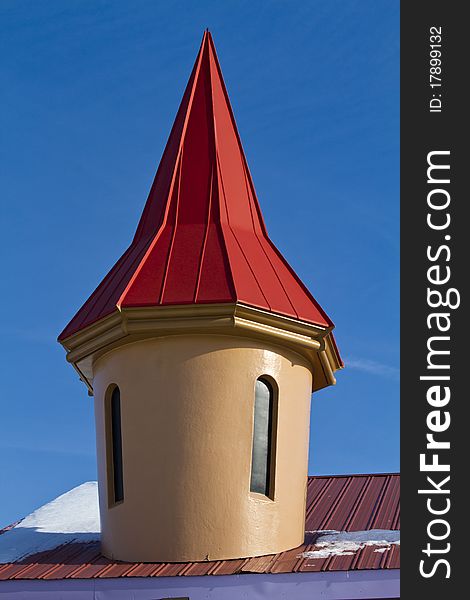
(342,503)
(201,238)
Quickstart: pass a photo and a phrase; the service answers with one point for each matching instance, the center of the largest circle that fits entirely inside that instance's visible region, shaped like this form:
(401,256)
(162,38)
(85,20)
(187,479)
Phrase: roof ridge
(391,474)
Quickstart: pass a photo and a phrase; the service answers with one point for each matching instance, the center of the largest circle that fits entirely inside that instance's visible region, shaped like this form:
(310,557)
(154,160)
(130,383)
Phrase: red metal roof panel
(343,503)
(202,238)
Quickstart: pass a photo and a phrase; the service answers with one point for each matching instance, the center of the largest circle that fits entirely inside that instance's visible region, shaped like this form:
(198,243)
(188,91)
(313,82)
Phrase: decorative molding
(133,324)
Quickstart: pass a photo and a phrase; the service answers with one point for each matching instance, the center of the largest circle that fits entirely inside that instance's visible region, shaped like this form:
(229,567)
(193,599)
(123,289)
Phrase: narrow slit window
(263,431)
(116,446)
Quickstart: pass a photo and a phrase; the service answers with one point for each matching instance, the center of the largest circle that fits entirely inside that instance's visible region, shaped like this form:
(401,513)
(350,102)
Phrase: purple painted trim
(331,585)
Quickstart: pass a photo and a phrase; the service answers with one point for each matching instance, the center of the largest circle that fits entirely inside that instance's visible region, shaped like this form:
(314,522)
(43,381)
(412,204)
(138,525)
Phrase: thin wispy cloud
(34,335)
(371,366)
(46,449)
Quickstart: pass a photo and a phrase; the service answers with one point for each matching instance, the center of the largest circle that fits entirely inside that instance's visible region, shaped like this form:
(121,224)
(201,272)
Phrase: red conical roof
(201,238)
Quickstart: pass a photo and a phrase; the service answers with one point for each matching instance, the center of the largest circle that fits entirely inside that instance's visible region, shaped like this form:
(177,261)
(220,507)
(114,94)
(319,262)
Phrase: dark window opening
(116,446)
(262,464)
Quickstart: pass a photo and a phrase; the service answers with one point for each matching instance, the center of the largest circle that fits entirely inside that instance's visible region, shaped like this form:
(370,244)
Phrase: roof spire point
(206,38)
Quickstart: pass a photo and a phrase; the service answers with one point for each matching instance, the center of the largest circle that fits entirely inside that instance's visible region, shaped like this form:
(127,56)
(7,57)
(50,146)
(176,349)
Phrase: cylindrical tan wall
(187,409)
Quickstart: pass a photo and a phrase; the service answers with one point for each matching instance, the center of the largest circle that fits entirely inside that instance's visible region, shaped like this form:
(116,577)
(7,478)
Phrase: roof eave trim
(132,324)
(329,585)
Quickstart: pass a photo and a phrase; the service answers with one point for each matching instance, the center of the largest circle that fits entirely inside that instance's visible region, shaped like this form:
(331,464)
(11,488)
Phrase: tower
(201,348)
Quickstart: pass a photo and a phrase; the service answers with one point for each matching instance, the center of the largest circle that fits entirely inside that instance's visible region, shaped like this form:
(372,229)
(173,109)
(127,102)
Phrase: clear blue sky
(89,93)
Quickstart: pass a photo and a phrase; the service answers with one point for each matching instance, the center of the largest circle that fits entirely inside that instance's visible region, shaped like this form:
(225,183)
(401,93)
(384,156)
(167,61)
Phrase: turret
(201,348)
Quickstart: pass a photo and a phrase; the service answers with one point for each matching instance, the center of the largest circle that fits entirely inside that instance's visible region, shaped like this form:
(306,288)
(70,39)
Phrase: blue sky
(89,93)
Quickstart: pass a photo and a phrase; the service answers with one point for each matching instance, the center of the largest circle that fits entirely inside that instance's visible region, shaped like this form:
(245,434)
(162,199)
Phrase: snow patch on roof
(331,542)
(74,516)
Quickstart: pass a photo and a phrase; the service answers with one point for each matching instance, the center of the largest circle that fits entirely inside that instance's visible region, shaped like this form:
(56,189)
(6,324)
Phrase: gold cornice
(132,324)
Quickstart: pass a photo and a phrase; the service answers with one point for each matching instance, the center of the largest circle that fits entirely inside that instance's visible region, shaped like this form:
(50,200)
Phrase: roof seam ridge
(301,284)
(173,233)
(228,269)
(99,292)
(170,192)
(152,243)
(192,79)
(388,502)
(396,515)
(335,503)
(79,568)
(232,119)
(362,492)
(235,237)
(263,250)
(318,498)
(378,502)
(211,119)
(204,241)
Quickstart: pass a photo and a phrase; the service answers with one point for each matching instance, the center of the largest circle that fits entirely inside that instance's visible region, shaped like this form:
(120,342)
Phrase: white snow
(330,542)
(74,516)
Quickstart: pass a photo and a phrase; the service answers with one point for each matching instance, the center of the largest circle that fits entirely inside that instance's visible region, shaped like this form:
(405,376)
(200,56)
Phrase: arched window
(114,447)
(262,456)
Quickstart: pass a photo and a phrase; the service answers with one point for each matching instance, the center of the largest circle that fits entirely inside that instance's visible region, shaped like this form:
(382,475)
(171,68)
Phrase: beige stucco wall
(187,420)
